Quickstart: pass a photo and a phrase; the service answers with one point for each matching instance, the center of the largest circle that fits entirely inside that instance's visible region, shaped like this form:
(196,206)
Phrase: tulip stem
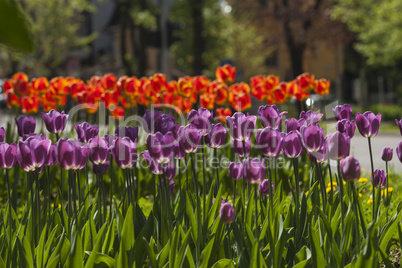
(186,173)
(111,186)
(374,216)
(296,173)
(9,216)
(356,215)
(322,186)
(340,183)
(217,172)
(256,224)
(204,190)
(387,196)
(234,192)
(330,179)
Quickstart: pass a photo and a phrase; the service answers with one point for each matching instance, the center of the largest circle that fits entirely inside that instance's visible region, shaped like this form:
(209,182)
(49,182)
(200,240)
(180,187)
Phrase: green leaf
(191,217)
(14,29)
(150,250)
(316,251)
(184,247)
(76,252)
(301,264)
(28,252)
(139,247)
(206,253)
(109,240)
(40,250)
(99,240)
(49,243)
(223,263)
(388,233)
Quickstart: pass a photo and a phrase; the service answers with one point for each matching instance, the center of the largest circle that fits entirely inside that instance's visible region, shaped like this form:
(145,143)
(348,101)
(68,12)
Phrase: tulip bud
(227,213)
(55,122)
(236,170)
(350,169)
(264,187)
(386,154)
(368,124)
(380,178)
(26,125)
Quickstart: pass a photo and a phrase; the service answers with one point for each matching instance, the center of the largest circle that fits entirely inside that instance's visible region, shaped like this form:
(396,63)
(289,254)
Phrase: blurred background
(353,43)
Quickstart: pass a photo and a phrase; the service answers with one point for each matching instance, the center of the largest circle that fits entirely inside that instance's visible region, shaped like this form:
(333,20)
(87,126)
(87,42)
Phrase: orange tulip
(226,73)
(22,88)
(158,82)
(258,87)
(48,102)
(8,85)
(207,101)
(186,105)
(185,86)
(109,81)
(117,112)
(29,105)
(321,87)
(59,86)
(271,98)
(222,113)
(171,87)
(20,76)
(200,83)
(239,96)
(40,85)
(12,100)
(87,99)
(305,81)
(271,82)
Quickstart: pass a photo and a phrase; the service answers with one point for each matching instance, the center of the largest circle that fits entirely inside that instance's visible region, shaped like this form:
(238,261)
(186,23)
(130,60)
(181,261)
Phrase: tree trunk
(199,42)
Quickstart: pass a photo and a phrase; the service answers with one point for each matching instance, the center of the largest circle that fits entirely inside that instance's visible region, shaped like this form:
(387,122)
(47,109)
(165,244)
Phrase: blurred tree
(55,29)
(378,28)
(220,35)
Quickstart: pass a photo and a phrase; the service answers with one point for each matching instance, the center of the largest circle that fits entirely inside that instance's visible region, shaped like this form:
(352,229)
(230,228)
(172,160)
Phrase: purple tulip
(216,137)
(201,119)
(2,134)
(55,122)
(386,154)
(270,116)
(238,147)
(33,153)
(98,150)
(156,121)
(71,154)
(310,117)
(321,155)
(263,188)
(291,145)
(343,112)
(227,213)
(368,124)
(399,151)
(26,125)
(124,152)
(338,145)
(253,170)
(7,155)
(269,141)
(293,124)
(111,138)
(178,152)
(236,170)
(170,170)
(36,136)
(189,138)
(240,126)
(52,159)
(153,166)
(380,178)
(399,124)
(346,126)
(129,132)
(350,169)
(86,132)
(97,169)
(161,147)
(312,137)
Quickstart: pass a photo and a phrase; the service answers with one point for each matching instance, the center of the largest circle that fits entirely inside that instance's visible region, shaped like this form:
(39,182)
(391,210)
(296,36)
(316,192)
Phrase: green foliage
(377,24)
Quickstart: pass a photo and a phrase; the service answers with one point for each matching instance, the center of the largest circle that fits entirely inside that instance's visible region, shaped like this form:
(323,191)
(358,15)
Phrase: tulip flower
(236,170)
(310,117)
(129,132)
(270,116)
(269,141)
(399,124)
(36,136)
(312,137)
(368,124)
(71,155)
(350,169)
(178,152)
(386,154)
(321,155)
(201,119)
(263,188)
(124,152)
(7,155)
(399,151)
(293,124)
(223,113)
(189,138)
(240,126)
(156,121)
(216,137)
(26,125)
(33,153)
(55,122)
(343,112)
(153,166)
(347,127)
(85,131)
(338,145)
(227,213)
(253,170)
(111,138)
(2,134)
(291,145)
(238,147)
(97,169)
(52,159)
(170,170)
(380,178)
(98,150)
(161,147)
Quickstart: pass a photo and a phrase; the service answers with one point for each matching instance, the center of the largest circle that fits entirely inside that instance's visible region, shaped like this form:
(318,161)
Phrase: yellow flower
(360,195)
(363,170)
(390,189)
(363,180)
(344,182)
(370,201)
(333,184)
(306,192)
(328,189)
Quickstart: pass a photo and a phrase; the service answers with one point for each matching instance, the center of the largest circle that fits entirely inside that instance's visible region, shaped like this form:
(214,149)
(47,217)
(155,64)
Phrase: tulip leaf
(388,232)
(191,217)
(139,247)
(151,252)
(28,251)
(163,255)
(183,248)
(109,240)
(54,258)
(301,264)
(40,250)
(99,240)
(22,256)
(206,253)
(316,251)
(223,263)
(48,246)
(14,29)
(76,251)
